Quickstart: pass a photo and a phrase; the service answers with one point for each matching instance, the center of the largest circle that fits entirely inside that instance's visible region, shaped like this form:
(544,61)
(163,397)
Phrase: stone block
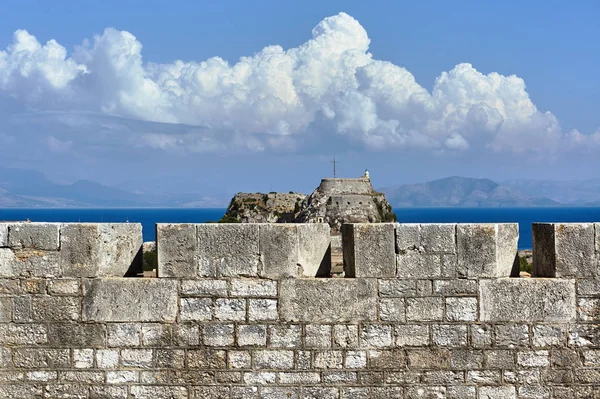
(314,249)
(279,251)
(424,309)
(565,250)
(230,248)
(41,236)
(369,250)
(438,238)
(487,250)
(100,249)
(408,237)
(130,300)
(28,263)
(328,300)
(527,300)
(3,235)
(461,309)
(176,246)
(253,288)
(415,264)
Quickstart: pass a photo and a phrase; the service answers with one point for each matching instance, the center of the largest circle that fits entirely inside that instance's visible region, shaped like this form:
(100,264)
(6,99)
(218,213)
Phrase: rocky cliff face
(339,201)
(264,208)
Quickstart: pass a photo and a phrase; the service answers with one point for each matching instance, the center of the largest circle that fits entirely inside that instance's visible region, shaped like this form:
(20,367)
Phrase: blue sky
(121,110)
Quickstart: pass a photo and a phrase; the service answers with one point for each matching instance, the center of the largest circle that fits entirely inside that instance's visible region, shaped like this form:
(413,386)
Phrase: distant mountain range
(21,188)
(469,192)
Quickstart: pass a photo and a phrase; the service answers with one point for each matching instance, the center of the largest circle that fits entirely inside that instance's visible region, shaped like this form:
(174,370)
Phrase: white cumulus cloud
(330,87)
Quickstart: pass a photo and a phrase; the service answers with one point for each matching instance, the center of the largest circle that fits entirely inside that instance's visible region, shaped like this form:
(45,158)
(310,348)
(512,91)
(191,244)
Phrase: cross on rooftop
(334,162)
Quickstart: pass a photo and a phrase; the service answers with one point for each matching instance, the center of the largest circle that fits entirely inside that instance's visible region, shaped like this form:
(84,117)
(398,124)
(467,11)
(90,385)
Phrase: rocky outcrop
(264,208)
(339,201)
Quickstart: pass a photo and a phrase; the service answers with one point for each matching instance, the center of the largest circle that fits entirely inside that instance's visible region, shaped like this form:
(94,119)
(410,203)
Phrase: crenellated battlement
(247,311)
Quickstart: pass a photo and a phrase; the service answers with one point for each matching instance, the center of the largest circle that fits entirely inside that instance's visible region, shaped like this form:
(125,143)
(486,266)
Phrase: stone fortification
(264,208)
(338,201)
(426,311)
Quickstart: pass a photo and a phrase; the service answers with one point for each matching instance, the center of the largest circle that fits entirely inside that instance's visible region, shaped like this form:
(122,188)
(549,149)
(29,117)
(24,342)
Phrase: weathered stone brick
(376,336)
(461,309)
(41,358)
(137,299)
(49,308)
(136,358)
(252,335)
(239,359)
(176,247)
(273,359)
(392,309)
(564,250)
(455,287)
(100,249)
(156,334)
(285,336)
(538,300)
(499,392)
(412,335)
(428,358)
(204,287)
(158,392)
(218,334)
(345,336)
(328,360)
(262,310)
(41,236)
(328,300)
(317,336)
(512,335)
(369,250)
(196,309)
(450,335)
(424,309)
(253,288)
(24,334)
(124,334)
(355,359)
(206,359)
(486,250)
(546,335)
(230,309)
(533,358)
(396,288)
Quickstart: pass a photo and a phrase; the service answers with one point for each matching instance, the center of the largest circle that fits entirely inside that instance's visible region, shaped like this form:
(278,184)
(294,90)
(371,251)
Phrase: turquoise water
(148,217)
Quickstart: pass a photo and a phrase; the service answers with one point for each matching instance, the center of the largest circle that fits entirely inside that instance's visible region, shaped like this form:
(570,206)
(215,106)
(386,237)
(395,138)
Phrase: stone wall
(426,311)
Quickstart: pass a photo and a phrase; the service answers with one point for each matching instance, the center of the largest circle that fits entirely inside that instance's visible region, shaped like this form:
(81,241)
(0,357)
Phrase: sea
(148,217)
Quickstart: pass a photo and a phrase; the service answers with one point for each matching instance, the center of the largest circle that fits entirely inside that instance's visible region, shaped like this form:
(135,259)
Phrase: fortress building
(336,201)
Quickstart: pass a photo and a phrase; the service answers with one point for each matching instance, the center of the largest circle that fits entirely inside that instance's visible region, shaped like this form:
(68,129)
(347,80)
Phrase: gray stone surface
(3,235)
(176,246)
(486,250)
(514,299)
(369,250)
(408,237)
(438,238)
(279,251)
(100,250)
(565,250)
(314,249)
(28,263)
(40,236)
(328,300)
(130,300)
(230,248)
(211,335)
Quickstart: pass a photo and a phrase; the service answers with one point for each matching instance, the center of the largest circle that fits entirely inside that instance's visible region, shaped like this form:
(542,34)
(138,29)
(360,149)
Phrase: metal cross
(334,162)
